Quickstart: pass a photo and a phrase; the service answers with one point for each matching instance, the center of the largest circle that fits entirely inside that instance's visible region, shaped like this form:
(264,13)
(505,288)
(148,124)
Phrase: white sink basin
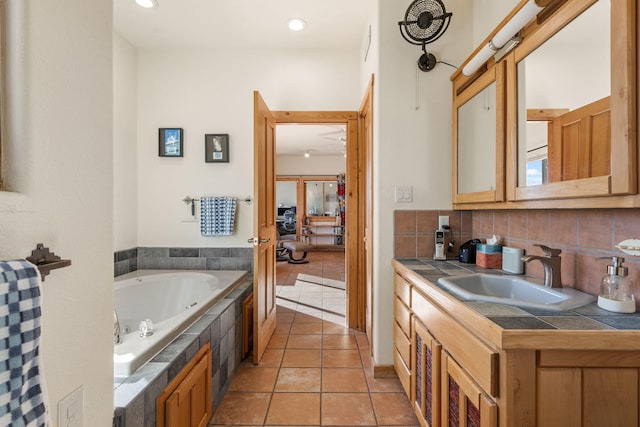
(513,290)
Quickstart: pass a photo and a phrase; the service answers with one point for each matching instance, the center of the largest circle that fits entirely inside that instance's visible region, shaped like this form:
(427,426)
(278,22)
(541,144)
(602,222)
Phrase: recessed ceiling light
(147,3)
(306,154)
(296,24)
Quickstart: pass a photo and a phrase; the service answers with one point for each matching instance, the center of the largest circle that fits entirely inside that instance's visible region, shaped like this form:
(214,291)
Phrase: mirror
(478,138)
(549,101)
(476,155)
(569,136)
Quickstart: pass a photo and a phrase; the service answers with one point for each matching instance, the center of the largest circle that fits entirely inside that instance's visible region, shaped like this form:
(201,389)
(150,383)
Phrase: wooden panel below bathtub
(187,399)
(247,325)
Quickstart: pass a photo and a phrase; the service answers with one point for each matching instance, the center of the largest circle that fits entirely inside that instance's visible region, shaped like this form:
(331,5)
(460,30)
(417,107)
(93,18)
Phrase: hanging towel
(22,389)
(217,216)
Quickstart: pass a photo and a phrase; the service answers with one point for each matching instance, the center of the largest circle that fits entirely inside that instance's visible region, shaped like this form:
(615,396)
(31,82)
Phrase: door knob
(256,240)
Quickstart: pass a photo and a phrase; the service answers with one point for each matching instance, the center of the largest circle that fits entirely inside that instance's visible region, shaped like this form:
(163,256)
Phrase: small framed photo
(216,148)
(170,142)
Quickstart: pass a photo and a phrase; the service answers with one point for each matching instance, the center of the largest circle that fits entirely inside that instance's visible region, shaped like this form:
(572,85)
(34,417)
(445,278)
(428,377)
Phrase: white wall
(314,165)
(125,154)
(58,157)
(412,140)
(205,91)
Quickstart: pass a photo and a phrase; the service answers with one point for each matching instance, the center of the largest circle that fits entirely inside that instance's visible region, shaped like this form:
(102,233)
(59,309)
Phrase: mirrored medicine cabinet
(567,121)
(479,139)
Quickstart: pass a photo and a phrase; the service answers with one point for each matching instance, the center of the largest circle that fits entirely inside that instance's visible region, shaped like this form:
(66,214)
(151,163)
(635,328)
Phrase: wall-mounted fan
(424,22)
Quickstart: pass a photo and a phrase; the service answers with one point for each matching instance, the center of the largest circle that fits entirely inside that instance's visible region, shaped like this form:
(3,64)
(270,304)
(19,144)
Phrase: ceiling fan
(338,135)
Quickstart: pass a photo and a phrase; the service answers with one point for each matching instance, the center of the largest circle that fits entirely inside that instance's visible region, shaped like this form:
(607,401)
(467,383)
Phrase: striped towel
(22,392)
(217,216)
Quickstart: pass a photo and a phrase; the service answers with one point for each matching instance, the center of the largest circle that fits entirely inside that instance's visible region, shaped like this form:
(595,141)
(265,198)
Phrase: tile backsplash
(583,235)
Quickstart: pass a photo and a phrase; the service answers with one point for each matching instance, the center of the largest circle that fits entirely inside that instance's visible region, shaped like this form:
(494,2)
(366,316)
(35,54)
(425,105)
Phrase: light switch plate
(71,409)
(403,194)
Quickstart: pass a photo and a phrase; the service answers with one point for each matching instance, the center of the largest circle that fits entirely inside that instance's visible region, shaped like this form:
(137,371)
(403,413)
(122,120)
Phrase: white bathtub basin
(172,300)
(514,290)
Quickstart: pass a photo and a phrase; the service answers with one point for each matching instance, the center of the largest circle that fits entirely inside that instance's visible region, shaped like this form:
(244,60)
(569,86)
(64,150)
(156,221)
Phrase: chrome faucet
(551,262)
(116,329)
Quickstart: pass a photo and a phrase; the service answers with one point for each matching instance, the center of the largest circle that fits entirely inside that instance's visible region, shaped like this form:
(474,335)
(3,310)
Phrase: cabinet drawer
(402,343)
(402,289)
(403,372)
(402,316)
(476,357)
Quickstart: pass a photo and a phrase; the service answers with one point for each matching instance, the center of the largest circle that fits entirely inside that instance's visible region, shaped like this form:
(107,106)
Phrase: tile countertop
(520,323)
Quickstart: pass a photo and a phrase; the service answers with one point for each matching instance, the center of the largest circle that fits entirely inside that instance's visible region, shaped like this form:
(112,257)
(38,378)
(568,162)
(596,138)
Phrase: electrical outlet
(443,222)
(71,409)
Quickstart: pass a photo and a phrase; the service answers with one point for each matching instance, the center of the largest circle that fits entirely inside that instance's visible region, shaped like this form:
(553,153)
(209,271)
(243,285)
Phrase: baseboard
(384,371)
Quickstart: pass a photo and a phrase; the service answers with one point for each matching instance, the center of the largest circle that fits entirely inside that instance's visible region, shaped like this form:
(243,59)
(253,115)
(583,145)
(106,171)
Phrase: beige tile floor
(315,370)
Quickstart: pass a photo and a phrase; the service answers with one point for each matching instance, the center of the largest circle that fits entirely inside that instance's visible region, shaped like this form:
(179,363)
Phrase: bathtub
(172,300)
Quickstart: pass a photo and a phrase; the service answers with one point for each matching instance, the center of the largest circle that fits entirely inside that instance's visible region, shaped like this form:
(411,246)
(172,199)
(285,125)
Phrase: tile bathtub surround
(160,258)
(583,235)
(135,397)
(125,261)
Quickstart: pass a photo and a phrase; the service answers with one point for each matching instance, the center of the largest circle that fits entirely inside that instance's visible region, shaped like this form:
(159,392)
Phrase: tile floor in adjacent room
(315,371)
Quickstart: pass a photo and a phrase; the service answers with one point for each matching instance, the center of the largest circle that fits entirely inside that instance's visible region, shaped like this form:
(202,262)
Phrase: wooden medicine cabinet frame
(620,187)
(463,91)
(622,178)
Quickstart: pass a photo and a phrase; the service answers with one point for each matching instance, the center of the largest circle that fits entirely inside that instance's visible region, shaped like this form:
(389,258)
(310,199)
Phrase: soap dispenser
(616,289)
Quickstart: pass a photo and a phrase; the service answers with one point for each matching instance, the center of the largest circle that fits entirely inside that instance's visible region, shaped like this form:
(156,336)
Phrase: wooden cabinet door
(175,412)
(187,406)
(187,402)
(425,375)
(464,402)
(589,397)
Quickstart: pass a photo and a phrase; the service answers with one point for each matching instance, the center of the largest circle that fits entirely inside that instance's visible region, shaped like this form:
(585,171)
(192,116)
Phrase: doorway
(311,210)
(353,246)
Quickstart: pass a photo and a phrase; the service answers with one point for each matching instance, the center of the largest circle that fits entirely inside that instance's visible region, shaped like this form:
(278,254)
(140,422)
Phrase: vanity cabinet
(466,370)
(402,354)
(426,376)
(187,400)
(451,390)
(596,389)
(441,391)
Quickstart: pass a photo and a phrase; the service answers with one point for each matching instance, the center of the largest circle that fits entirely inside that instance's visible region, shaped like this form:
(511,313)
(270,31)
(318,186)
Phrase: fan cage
(424,22)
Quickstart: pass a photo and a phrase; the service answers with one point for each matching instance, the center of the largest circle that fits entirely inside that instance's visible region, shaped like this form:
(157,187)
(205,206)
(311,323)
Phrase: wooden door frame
(365,191)
(354,245)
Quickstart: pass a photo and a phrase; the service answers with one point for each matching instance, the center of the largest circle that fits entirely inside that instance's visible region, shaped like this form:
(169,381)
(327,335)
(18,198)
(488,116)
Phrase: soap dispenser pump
(616,289)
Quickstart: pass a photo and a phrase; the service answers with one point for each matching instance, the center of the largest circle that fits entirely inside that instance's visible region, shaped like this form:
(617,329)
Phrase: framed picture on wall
(216,148)
(170,142)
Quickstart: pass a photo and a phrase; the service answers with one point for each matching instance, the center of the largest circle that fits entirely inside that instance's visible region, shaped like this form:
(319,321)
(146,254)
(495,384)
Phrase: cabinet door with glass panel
(323,224)
(321,198)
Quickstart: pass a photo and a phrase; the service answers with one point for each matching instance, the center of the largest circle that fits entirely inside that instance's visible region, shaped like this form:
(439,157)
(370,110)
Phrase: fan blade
(445,16)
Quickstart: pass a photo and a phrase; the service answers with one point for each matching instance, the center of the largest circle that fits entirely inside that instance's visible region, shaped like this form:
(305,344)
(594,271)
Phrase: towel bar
(46,261)
(188,200)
